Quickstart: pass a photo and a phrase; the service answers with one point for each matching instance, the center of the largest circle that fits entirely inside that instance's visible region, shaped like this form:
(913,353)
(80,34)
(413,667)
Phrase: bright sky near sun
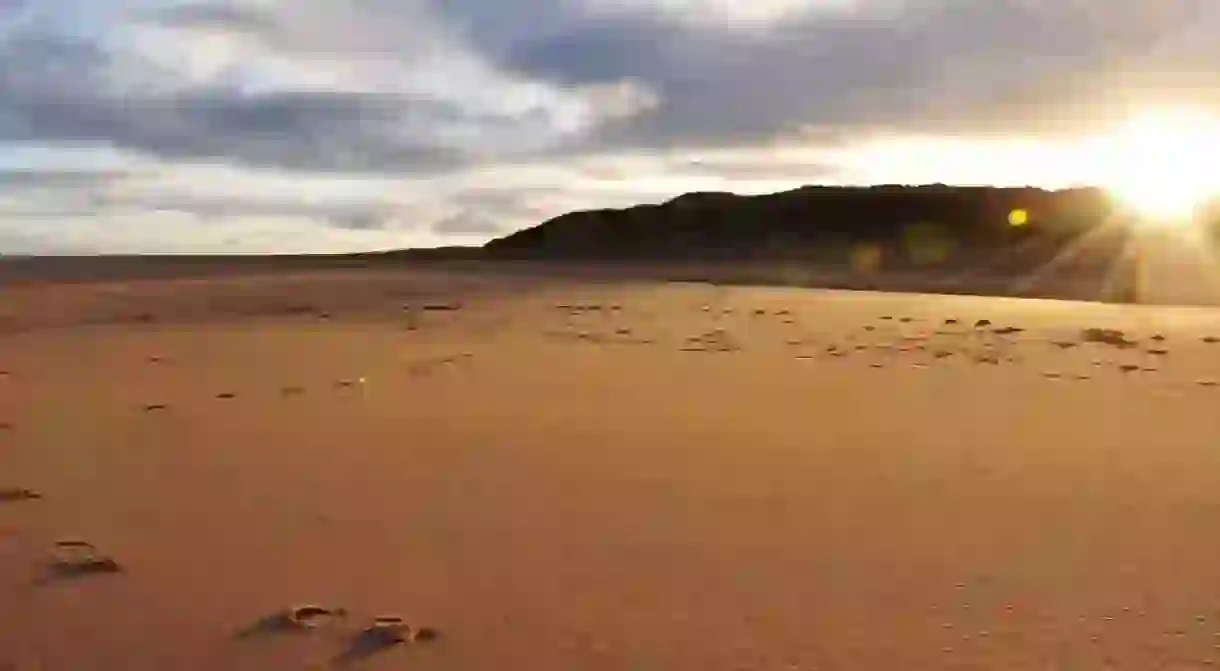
(329,125)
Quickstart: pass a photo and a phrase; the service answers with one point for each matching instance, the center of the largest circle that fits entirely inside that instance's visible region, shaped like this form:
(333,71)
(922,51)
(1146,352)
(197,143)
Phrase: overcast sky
(336,125)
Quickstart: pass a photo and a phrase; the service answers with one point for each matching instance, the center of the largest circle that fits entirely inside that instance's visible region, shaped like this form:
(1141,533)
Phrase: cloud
(359,221)
(467,222)
(311,99)
(213,17)
(946,66)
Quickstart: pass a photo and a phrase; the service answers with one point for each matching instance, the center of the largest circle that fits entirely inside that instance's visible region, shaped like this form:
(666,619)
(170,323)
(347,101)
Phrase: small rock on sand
(310,616)
(14,494)
(1106,337)
(79,557)
(392,630)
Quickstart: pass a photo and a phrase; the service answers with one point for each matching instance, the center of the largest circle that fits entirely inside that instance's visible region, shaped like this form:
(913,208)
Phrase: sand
(560,475)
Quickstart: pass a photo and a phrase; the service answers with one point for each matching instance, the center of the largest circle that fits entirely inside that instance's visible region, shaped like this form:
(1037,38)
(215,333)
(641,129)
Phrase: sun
(1159,164)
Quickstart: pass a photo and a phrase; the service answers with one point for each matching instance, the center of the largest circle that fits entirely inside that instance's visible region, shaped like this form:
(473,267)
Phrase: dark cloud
(85,193)
(61,94)
(360,221)
(346,215)
(25,178)
(325,131)
(467,222)
(505,201)
(756,168)
(219,17)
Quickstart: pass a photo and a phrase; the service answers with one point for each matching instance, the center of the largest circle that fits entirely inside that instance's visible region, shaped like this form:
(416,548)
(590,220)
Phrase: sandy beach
(557,475)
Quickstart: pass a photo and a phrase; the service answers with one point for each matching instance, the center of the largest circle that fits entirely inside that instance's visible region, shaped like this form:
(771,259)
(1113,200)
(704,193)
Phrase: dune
(449,468)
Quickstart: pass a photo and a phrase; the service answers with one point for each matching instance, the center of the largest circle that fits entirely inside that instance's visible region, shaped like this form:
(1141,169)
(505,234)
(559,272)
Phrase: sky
(305,126)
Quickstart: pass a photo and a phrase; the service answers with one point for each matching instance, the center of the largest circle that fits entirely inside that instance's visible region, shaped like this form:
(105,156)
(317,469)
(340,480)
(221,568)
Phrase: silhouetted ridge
(905,225)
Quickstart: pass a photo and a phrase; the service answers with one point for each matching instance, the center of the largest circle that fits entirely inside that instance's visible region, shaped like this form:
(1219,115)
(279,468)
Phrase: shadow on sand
(64,571)
(298,620)
(366,644)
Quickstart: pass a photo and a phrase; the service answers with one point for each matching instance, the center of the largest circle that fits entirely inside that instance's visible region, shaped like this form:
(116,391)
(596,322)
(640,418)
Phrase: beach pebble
(311,616)
(392,629)
(15,494)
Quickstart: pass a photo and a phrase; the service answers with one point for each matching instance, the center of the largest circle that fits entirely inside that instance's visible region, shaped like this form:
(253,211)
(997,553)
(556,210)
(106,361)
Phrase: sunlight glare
(1158,164)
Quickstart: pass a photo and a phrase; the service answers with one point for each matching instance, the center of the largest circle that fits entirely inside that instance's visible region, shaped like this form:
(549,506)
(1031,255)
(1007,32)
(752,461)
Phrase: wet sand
(604,475)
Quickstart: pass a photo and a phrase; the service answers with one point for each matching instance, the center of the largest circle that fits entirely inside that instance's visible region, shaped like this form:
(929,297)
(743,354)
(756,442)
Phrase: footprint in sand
(301,618)
(226,395)
(17,494)
(1008,330)
(1102,336)
(1207,383)
(6,426)
(1158,351)
(292,391)
(981,323)
(74,558)
(156,407)
(384,633)
(1064,344)
(1211,340)
(392,629)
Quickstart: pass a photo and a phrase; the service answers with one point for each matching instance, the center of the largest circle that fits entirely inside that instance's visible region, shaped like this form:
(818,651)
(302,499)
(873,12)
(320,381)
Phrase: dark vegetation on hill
(912,226)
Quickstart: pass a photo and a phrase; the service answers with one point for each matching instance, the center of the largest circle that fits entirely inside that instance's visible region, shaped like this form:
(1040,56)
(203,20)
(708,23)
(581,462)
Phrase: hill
(907,226)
